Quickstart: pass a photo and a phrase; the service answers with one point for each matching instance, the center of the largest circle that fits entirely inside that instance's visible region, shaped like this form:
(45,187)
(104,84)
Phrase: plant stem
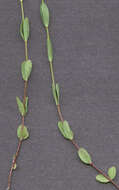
(22,10)
(23,118)
(26,50)
(101,172)
(52,73)
(73,141)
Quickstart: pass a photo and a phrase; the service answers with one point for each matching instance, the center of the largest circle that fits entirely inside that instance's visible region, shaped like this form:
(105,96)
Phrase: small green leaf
(84,156)
(26,69)
(26,104)
(22,133)
(65,130)
(44,11)
(55,91)
(26,29)
(49,49)
(20,106)
(100,178)
(112,172)
(21,30)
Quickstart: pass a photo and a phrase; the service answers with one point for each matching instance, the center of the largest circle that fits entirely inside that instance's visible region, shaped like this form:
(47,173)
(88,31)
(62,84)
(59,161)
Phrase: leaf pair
(26,68)
(84,156)
(24,29)
(23,110)
(111,173)
(44,11)
(65,130)
(22,132)
(56,92)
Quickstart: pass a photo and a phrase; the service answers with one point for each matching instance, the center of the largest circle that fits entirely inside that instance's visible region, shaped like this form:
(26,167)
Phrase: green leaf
(26,29)
(21,30)
(112,172)
(44,11)
(22,133)
(26,104)
(49,50)
(65,130)
(100,178)
(20,106)
(55,91)
(26,69)
(84,156)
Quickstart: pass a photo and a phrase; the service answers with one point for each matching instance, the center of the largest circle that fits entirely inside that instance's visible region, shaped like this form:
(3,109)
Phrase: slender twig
(23,117)
(58,106)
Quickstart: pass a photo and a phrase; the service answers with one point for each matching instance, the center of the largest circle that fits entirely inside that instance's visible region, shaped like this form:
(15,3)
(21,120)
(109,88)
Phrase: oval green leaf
(84,156)
(100,178)
(22,133)
(20,106)
(44,11)
(26,29)
(26,68)
(65,130)
(112,172)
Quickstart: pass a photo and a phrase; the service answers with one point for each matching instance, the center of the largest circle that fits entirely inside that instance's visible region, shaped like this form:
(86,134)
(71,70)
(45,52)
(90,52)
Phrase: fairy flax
(63,125)
(26,67)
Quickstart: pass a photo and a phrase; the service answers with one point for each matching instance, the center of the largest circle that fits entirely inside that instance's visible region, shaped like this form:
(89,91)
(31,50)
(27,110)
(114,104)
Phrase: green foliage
(26,68)
(100,178)
(22,132)
(112,172)
(44,11)
(84,156)
(20,106)
(24,29)
(49,50)
(65,130)
(56,92)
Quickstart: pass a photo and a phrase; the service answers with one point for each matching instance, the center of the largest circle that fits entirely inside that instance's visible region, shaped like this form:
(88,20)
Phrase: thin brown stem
(23,118)
(20,142)
(13,163)
(60,113)
(107,177)
(26,50)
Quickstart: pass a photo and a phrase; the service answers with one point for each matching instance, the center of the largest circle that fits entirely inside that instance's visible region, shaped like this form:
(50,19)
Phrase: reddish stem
(19,144)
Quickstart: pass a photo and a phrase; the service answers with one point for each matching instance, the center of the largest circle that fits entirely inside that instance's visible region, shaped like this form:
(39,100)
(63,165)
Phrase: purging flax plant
(63,125)
(26,67)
